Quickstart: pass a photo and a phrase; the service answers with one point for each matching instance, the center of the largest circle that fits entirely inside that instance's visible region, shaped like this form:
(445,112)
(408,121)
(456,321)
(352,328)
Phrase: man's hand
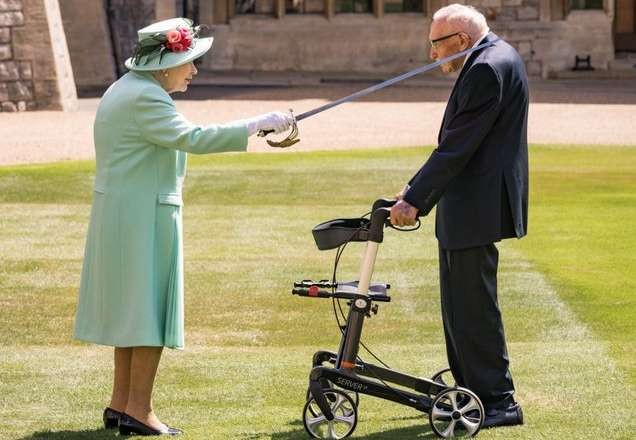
(403,214)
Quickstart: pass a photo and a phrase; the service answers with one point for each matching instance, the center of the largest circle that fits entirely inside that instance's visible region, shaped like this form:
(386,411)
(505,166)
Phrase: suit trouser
(475,340)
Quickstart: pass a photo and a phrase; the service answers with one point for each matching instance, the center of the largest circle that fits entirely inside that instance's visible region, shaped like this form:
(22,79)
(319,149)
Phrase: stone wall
(399,42)
(35,70)
(16,76)
(311,42)
(581,33)
(508,10)
(346,43)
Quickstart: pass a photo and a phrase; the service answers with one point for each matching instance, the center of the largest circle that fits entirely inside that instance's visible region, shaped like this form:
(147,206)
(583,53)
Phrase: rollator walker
(337,379)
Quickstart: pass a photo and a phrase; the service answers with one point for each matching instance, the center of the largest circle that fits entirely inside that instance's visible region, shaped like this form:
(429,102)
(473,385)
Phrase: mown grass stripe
(249,342)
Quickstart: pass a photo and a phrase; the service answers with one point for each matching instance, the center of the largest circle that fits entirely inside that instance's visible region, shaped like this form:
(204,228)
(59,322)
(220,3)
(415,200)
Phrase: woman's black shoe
(129,425)
(111,418)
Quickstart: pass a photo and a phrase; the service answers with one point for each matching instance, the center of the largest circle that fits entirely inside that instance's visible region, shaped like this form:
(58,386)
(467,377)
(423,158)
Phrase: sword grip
(263,133)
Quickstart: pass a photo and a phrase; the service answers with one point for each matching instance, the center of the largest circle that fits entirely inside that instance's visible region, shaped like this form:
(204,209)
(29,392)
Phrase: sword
(292,138)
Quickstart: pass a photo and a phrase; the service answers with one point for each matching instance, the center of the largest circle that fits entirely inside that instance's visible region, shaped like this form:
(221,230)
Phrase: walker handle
(383,203)
(378,220)
(381,212)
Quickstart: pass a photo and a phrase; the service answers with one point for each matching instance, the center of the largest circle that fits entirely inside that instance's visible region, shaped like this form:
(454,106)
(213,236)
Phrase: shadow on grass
(422,431)
(93,434)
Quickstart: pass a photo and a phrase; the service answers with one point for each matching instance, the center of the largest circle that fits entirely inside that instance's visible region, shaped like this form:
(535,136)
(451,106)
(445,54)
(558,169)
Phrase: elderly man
(478,177)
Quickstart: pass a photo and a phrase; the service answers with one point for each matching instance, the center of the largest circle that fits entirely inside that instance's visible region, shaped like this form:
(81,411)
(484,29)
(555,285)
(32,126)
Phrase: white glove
(276,121)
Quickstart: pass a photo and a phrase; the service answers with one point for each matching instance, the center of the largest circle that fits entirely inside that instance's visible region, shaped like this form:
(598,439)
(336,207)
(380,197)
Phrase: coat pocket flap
(170,199)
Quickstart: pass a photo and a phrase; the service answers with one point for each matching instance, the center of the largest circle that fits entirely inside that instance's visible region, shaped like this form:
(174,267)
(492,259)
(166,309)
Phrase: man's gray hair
(468,19)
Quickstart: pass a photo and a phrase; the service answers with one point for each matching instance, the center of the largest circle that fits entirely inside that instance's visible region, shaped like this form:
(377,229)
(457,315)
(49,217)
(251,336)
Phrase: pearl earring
(166,74)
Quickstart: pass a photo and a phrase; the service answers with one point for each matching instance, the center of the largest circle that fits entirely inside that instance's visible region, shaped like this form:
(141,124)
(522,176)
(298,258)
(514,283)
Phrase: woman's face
(178,78)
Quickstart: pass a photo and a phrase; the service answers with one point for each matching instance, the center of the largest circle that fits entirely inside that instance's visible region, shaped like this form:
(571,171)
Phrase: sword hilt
(263,133)
(291,139)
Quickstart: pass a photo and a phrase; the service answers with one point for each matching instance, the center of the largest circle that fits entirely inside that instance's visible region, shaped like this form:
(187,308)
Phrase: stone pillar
(206,13)
(165,9)
(35,69)
(89,43)
(545,10)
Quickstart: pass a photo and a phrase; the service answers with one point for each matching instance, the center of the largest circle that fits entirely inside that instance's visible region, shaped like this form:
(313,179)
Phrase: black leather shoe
(111,418)
(512,415)
(129,425)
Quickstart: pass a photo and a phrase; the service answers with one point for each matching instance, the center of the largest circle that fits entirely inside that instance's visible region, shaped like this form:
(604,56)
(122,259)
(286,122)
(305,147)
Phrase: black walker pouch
(334,233)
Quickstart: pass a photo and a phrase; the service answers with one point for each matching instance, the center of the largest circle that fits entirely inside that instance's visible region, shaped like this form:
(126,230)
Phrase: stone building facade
(547,35)
(379,37)
(35,69)
(368,36)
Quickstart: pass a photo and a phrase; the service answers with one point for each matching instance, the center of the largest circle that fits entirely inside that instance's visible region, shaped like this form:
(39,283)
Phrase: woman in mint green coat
(131,292)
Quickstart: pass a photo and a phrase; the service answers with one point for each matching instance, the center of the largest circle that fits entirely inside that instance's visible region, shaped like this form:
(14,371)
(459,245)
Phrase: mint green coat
(131,291)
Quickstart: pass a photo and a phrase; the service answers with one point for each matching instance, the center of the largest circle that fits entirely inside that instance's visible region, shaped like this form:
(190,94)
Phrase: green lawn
(583,237)
(564,291)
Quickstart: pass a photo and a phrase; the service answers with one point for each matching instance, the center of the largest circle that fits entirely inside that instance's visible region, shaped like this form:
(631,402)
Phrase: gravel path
(575,112)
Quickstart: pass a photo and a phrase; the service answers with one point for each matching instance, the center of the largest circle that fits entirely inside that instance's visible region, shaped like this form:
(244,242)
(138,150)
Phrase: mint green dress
(131,290)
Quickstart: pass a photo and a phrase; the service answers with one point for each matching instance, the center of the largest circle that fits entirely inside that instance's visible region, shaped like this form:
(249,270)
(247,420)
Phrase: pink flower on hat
(185,34)
(177,47)
(179,40)
(173,36)
(176,40)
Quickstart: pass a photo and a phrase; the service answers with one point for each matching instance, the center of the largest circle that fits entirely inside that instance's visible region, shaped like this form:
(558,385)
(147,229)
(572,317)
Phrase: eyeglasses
(435,42)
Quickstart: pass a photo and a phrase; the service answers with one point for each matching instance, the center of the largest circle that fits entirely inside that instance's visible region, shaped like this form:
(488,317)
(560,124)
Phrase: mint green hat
(166,44)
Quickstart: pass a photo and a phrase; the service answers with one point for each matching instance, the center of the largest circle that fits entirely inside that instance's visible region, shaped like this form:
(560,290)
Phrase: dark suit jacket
(478,174)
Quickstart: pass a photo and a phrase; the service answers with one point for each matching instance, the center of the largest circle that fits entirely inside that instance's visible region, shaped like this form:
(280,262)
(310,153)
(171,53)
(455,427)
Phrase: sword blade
(390,82)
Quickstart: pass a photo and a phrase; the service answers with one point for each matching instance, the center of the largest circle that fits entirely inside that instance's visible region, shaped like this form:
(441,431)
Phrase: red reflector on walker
(313,291)
(347,365)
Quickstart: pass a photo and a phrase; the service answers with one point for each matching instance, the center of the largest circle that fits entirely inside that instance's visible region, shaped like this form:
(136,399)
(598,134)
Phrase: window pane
(586,4)
(353,6)
(403,6)
(304,6)
(245,6)
(254,6)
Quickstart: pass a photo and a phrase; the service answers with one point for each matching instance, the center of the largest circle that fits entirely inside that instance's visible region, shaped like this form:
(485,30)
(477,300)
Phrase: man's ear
(467,42)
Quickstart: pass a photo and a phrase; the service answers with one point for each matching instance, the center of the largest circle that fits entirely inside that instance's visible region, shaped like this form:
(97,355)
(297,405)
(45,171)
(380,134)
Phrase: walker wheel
(456,412)
(353,394)
(344,411)
(445,377)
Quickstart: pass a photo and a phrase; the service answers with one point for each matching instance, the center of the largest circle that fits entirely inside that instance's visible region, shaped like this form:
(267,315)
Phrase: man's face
(450,41)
